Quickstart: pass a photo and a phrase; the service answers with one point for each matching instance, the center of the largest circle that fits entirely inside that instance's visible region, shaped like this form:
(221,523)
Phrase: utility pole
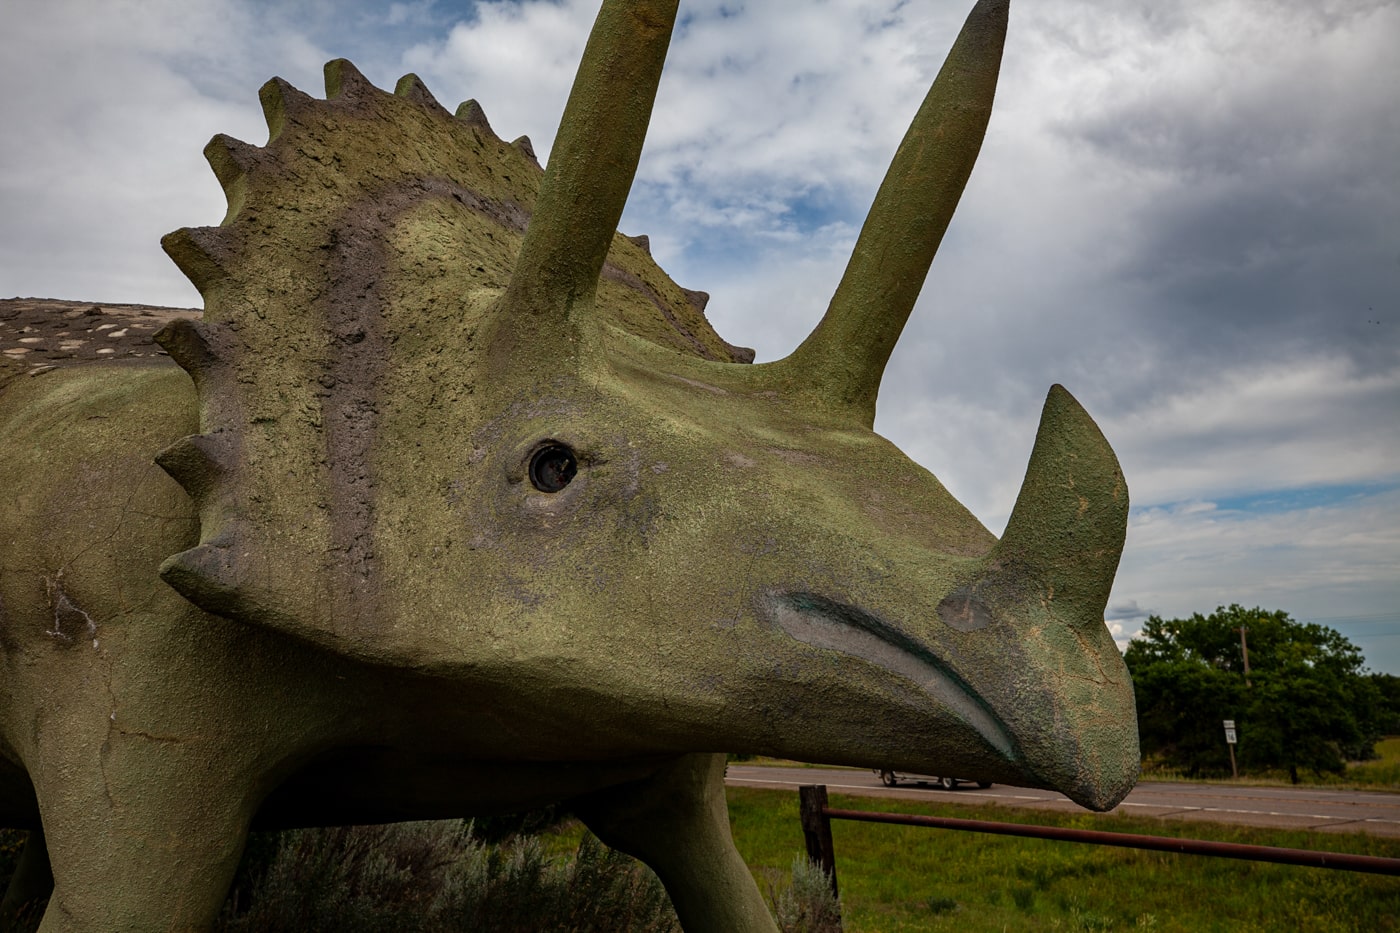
(1244,649)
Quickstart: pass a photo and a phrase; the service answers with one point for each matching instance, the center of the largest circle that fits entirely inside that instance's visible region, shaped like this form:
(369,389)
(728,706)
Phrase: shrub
(439,878)
(806,905)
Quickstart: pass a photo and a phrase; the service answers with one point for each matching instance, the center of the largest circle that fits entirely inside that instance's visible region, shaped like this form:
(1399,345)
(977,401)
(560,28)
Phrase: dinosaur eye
(553,467)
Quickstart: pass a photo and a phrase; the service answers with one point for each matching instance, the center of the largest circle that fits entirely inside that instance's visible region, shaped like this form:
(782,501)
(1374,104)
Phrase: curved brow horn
(843,359)
(592,162)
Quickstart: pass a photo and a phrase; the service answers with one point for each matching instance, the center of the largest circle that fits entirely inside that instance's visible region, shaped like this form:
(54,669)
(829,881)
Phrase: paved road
(1293,808)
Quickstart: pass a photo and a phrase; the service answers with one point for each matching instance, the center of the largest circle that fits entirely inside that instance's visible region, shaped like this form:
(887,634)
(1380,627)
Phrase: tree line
(1299,693)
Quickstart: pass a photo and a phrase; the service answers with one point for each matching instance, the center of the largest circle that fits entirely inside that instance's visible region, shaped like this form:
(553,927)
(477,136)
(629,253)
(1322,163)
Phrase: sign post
(1230,744)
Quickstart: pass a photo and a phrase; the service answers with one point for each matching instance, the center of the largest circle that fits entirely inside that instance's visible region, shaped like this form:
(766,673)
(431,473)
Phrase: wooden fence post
(816,829)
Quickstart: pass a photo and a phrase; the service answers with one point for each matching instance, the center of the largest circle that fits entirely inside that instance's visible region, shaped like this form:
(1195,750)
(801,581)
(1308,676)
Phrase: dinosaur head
(454,423)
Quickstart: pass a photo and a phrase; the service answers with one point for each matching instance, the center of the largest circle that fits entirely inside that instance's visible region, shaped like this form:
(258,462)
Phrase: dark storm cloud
(1273,223)
(1272,252)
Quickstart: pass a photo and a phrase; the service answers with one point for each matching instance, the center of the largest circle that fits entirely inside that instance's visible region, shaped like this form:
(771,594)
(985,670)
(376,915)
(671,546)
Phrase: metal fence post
(816,829)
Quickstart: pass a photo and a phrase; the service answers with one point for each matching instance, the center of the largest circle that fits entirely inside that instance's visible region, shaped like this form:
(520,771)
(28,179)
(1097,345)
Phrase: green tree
(1388,714)
(1307,701)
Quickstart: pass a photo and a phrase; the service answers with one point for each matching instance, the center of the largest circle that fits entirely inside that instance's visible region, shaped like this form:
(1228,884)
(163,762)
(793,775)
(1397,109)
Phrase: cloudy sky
(1186,212)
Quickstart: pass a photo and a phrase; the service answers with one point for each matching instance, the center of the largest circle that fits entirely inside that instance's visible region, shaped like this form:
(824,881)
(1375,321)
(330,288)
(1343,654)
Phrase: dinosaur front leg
(141,843)
(677,821)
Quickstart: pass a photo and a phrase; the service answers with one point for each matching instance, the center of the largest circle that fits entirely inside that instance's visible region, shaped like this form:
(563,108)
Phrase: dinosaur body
(456,504)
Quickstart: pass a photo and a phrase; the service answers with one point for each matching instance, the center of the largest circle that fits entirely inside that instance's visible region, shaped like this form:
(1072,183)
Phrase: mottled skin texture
(348,602)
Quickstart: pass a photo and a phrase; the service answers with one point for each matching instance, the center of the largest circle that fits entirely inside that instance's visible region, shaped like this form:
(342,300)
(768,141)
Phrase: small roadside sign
(1230,744)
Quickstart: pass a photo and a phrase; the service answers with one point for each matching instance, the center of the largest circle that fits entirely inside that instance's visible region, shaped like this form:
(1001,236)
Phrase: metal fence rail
(817,817)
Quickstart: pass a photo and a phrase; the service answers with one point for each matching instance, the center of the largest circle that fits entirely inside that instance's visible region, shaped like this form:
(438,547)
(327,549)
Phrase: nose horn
(1050,575)
(1067,528)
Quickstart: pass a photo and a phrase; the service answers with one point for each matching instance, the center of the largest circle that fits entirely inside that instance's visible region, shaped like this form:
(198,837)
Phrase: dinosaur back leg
(677,821)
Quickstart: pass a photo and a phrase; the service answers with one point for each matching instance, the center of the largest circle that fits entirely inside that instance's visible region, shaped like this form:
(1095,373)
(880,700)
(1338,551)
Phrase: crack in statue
(472,511)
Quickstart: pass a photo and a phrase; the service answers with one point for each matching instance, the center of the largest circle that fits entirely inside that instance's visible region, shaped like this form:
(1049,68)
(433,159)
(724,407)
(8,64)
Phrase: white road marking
(796,783)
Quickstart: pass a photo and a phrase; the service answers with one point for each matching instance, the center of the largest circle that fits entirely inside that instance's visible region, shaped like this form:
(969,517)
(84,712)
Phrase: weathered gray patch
(962,610)
(71,623)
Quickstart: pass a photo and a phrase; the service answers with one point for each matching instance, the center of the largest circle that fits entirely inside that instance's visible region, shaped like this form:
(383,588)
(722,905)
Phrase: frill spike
(207,575)
(280,103)
(345,81)
(470,113)
(191,344)
(196,462)
(202,253)
(411,87)
(526,148)
(698,300)
(231,159)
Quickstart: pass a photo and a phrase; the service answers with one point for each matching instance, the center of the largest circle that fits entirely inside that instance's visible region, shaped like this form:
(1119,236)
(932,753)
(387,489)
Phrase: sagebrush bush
(806,905)
(348,878)
(438,878)
(11,844)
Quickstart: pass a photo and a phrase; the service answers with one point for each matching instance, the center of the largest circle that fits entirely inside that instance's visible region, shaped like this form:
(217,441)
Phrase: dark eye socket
(553,467)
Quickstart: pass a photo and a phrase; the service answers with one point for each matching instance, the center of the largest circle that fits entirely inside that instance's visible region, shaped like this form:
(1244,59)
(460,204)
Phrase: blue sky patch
(1294,500)
(1275,501)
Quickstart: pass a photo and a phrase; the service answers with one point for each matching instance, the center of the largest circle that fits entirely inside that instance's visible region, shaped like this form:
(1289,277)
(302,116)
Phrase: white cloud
(1121,634)
(516,59)
(101,156)
(417,12)
(1266,425)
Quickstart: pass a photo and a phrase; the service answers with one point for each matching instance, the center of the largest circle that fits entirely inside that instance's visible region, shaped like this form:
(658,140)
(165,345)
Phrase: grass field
(901,878)
(1384,772)
(897,878)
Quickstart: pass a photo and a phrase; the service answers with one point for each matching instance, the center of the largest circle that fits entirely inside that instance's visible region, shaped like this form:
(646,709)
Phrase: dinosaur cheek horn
(591,167)
(841,362)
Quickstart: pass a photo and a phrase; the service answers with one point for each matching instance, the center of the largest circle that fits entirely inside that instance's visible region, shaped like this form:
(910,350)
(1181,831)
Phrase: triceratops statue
(472,510)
